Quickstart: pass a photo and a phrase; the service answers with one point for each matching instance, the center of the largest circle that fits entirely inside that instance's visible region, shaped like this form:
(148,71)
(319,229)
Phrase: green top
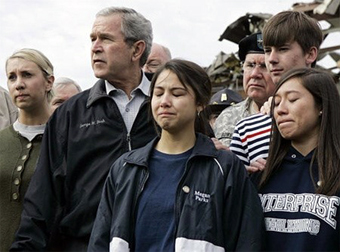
(18,158)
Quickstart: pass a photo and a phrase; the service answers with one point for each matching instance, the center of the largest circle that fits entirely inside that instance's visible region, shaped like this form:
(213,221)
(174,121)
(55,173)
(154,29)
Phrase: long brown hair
(327,153)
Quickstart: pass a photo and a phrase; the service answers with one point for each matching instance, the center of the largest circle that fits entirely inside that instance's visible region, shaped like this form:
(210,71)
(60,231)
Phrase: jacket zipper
(128,139)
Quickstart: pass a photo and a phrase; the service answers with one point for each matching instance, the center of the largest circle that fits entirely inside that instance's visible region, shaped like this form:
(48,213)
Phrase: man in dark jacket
(86,134)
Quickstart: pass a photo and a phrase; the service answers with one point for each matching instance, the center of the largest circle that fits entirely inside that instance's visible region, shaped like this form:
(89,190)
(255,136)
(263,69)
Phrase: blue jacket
(217,207)
(82,139)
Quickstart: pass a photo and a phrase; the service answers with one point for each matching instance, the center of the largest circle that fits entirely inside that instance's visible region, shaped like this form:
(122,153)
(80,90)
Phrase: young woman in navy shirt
(300,186)
(178,193)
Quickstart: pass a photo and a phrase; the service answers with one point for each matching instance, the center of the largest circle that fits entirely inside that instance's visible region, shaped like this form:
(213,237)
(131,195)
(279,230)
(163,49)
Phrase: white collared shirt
(129,107)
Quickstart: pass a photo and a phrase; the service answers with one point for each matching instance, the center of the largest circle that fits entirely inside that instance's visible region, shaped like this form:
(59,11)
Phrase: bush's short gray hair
(135,27)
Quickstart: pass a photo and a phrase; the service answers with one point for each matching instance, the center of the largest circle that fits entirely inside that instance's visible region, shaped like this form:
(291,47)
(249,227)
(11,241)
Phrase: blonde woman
(29,79)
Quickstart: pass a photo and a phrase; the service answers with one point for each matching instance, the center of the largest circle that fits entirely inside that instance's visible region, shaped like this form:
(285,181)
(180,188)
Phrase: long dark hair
(327,153)
(192,75)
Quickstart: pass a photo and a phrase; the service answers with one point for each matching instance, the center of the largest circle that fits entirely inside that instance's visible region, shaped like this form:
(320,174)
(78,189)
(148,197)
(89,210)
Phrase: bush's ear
(138,50)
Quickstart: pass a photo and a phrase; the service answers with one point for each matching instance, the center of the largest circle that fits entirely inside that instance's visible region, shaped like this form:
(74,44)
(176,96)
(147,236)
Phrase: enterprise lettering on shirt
(293,226)
(322,206)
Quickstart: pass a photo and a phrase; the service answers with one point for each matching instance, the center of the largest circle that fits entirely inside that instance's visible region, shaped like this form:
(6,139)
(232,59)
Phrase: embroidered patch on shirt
(94,122)
(202,197)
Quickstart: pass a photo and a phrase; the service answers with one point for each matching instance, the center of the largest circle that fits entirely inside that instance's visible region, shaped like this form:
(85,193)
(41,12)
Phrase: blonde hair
(38,58)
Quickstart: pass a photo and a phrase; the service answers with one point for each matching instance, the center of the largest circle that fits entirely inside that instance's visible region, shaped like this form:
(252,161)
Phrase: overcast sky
(60,28)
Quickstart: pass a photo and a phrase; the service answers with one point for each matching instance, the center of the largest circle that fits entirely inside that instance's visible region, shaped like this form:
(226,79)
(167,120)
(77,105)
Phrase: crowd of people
(138,162)
(258,87)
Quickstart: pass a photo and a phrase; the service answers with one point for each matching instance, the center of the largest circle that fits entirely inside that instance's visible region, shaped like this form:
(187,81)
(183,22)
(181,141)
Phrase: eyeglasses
(250,66)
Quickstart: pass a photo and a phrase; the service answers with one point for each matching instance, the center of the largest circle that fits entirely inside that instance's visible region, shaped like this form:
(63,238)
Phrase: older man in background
(63,89)
(159,55)
(257,84)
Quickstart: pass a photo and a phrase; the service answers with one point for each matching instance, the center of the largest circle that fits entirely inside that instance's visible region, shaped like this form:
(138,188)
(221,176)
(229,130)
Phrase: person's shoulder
(3,90)
(7,130)
(253,119)
(5,96)
(135,158)
(226,156)
(7,135)
(255,116)
(234,108)
(139,155)
(228,161)
(230,116)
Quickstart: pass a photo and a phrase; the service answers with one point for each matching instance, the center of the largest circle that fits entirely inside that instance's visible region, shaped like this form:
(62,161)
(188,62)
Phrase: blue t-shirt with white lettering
(296,218)
(155,224)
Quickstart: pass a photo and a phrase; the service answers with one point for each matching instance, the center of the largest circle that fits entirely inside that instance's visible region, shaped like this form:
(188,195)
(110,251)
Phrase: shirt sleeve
(244,229)
(238,147)
(100,235)
(224,126)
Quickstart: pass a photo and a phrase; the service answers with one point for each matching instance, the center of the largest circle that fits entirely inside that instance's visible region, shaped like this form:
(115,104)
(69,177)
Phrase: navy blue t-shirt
(155,224)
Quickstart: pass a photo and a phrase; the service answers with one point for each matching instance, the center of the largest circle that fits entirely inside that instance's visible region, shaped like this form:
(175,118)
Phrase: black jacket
(82,139)
(217,207)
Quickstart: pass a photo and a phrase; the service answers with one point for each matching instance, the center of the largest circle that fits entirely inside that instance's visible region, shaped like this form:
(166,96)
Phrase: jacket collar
(99,90)
(96,92)
(203,147)
(144,86)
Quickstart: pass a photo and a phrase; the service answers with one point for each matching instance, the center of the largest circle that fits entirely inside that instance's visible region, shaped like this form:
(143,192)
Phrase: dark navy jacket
(82,139)
(216,208)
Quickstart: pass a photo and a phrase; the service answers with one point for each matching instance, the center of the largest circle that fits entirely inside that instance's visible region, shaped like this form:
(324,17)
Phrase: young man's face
(281,59)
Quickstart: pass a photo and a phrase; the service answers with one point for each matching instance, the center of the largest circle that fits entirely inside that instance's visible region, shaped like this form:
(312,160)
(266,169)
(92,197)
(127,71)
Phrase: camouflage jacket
(227,120)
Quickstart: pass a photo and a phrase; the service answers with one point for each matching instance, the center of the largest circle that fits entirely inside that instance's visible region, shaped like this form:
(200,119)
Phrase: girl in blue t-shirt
(178,193)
